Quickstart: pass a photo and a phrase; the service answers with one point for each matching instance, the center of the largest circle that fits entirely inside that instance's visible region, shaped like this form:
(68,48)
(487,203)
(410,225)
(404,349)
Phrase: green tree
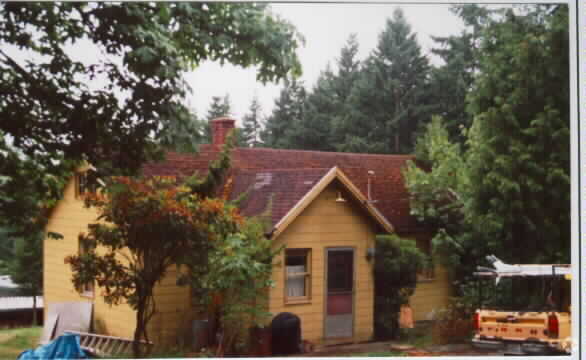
(323,124)
(389,98)
(183,135)
(312,129)
(396,264)
(439,184)
(519,142)
(236,283)
(147,47)
(26,268)
(349,68)
(289,108)
(451,82)
(509,193)
(252,124)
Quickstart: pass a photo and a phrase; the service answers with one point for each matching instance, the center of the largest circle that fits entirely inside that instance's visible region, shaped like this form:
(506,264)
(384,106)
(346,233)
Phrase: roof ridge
(337,153)
(280,169)
(326,152)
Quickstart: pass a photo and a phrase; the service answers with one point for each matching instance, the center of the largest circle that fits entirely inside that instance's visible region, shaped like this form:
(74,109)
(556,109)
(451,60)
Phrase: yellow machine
(539,327)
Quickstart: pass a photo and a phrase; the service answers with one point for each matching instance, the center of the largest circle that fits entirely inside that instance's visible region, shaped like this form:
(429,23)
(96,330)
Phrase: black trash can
(286,334)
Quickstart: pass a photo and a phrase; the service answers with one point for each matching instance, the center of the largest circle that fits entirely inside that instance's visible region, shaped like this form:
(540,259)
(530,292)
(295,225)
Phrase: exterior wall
(171,325)
(70,218)
(430,294)
(327,223)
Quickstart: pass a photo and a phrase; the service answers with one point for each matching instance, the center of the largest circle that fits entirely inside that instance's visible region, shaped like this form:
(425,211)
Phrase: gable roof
(333,173)
(291,169)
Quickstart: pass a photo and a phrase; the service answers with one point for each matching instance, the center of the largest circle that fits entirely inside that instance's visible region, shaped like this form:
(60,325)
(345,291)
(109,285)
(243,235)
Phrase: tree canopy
(59,110)
(508,192)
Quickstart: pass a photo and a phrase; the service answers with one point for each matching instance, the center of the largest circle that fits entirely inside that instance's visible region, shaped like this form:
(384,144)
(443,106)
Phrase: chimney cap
(223,119)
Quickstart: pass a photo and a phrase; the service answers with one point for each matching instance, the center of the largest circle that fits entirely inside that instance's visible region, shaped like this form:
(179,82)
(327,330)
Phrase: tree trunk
(136,350)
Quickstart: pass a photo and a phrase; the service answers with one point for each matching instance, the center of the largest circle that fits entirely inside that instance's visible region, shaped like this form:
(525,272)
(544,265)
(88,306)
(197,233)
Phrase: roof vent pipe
(370,175)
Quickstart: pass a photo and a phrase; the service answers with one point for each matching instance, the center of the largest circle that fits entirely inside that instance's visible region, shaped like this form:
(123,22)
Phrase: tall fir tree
(451,82)
(322,126)
(519,142)
(312,130)
(184,135)
(252,124)
(289,108)
(343,82)
(388,101)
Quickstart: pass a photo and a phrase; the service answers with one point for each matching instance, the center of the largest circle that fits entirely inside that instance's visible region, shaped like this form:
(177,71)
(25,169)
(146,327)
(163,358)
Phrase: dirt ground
(402,349)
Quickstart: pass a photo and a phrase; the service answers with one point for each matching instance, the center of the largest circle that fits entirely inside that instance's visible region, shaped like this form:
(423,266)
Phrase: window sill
(297,302)
(89,295)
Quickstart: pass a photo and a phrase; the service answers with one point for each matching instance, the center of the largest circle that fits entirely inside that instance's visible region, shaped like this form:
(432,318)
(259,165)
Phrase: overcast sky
(326,27)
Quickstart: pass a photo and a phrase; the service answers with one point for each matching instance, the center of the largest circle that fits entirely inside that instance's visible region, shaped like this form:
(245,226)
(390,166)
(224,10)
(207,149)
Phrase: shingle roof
(272,193)
(291,171)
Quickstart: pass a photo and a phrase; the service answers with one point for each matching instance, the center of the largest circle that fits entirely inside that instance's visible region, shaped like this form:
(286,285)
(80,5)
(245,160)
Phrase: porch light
(340,198)
(370,253)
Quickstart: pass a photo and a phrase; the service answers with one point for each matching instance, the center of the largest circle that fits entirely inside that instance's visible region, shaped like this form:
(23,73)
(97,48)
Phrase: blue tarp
(64,347)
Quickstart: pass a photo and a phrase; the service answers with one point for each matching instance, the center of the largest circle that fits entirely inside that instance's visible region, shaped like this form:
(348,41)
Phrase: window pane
(340,270)
(296,263)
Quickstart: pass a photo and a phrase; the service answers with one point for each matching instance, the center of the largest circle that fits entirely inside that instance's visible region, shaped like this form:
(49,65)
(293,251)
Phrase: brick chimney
(220,128)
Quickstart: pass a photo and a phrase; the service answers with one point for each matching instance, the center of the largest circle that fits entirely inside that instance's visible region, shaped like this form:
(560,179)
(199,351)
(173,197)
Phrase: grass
(15,341)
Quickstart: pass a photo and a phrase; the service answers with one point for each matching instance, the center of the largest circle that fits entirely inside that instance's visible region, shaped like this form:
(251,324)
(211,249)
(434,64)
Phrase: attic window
(87,289)
(84,184)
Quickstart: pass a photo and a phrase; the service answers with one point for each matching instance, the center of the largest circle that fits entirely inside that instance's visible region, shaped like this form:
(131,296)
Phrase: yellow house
(323,208)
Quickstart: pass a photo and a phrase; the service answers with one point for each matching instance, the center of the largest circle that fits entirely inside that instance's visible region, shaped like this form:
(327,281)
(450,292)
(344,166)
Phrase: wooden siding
(431,295)
(327,223)
(70,218)
(324,223)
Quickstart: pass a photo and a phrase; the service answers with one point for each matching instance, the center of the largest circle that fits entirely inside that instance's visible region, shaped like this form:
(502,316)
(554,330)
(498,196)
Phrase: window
(86,289)
(428,273)
(297,274)
(84,184)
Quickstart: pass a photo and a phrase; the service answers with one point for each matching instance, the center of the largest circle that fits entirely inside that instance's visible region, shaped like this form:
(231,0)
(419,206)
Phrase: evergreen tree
(252,124)
(183,135)
(289,108)
(508,194)
(323,124)
(342,85)
(451,82)
(312,131)
(389,98)
(519,142)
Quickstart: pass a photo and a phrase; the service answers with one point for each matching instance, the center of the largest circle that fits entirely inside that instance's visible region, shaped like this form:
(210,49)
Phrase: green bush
(397,262)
